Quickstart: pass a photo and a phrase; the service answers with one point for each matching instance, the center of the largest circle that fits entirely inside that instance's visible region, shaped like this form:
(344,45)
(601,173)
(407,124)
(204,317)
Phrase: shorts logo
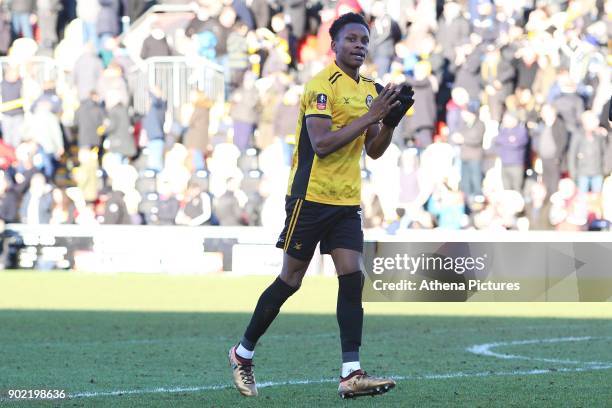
(298,246)
(321,101)
(369,100)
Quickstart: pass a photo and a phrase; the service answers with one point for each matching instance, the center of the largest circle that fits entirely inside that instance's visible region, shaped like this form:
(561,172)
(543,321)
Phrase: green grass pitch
(160,341)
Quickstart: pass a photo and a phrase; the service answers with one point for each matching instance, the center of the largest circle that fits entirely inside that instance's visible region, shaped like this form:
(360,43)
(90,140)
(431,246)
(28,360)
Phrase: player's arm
(325,141)
(378,138)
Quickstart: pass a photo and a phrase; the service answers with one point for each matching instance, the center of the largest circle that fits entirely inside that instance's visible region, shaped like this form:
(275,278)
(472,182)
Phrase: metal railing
(177,77)
(38,68)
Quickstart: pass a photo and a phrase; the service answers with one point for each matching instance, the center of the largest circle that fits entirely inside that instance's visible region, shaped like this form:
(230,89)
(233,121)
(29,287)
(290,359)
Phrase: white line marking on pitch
(486,350)
(333,380)
(479,349)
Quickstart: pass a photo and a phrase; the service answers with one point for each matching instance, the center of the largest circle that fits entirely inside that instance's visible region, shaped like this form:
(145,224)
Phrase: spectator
(254,199)
(112,81)
(527,67)
(489,75)
(24,168)
(9,210)
(121,144)
(286,115)
(468,72)
(586,155)
(62,208)
(5,29)
(156,44)
(37,202)
(9,200)
(196,138)
(88,119)
(244,111)
(237,52)
(453,32)
(86,174)
(544,79)
(244,14)
(568,103)
(446,204)
(87,11)
(227,207)
(166,206)
(262,12)
(12,119)
(422,121)
(551,145)
(506,78)
(295,10)
(115,209)
(44,128)
(50,96)
(511,147)
(385,33)
(470,137)
(537,207)
(196,207)
(22,17)
(153,128)
(87,71)
(107,24)
(47,12)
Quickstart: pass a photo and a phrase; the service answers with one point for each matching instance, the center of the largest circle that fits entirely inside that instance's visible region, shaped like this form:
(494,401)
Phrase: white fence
(177,77)
(197,250)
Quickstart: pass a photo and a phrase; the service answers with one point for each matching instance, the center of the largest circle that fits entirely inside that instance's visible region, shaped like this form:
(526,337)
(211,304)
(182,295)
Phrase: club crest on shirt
(321,101)
(369,100)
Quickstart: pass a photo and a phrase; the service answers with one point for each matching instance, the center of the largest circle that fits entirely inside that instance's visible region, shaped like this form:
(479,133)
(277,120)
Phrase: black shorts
(308,223)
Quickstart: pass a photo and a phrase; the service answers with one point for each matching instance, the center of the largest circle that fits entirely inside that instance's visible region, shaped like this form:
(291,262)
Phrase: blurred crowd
(509,130)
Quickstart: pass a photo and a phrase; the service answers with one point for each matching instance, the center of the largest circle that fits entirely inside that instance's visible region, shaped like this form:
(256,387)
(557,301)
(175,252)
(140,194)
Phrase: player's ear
(333,45)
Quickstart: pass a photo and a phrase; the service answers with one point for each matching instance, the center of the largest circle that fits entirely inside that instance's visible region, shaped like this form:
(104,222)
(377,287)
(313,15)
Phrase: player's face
(352,45)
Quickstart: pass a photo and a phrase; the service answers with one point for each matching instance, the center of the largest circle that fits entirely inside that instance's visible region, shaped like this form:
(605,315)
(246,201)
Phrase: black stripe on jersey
(305,160)
(336,78)
(366,79)
(333,75)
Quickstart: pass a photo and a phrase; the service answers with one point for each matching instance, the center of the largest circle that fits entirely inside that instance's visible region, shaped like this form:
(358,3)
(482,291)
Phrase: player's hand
(386,100)
(406,100)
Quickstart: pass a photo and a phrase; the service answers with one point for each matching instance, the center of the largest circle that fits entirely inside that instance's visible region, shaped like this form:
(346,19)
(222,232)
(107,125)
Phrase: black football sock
(267,309)
(350,314)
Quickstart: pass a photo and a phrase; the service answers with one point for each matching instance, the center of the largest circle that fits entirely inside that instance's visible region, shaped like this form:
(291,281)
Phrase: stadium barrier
(38,68)
(35,70)
(198,250)
(177,77)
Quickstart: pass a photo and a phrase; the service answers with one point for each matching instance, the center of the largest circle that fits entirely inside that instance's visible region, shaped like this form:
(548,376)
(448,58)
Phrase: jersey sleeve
(318,98)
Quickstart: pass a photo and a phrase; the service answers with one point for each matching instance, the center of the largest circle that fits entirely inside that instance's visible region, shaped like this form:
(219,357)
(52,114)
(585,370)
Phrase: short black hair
(344,20)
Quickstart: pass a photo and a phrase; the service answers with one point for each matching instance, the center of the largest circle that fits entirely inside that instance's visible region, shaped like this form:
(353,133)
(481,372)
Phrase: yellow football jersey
(336,178)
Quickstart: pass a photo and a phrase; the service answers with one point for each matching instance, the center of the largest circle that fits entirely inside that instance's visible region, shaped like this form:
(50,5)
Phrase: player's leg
(298,240)
(345,244)
(268,307)
(270,302)
(349,310)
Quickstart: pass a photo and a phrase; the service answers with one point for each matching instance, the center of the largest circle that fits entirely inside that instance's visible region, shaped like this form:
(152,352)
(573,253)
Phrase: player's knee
(292,278)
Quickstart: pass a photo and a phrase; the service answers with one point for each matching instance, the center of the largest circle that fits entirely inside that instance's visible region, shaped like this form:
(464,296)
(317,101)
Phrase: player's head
(350,37)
